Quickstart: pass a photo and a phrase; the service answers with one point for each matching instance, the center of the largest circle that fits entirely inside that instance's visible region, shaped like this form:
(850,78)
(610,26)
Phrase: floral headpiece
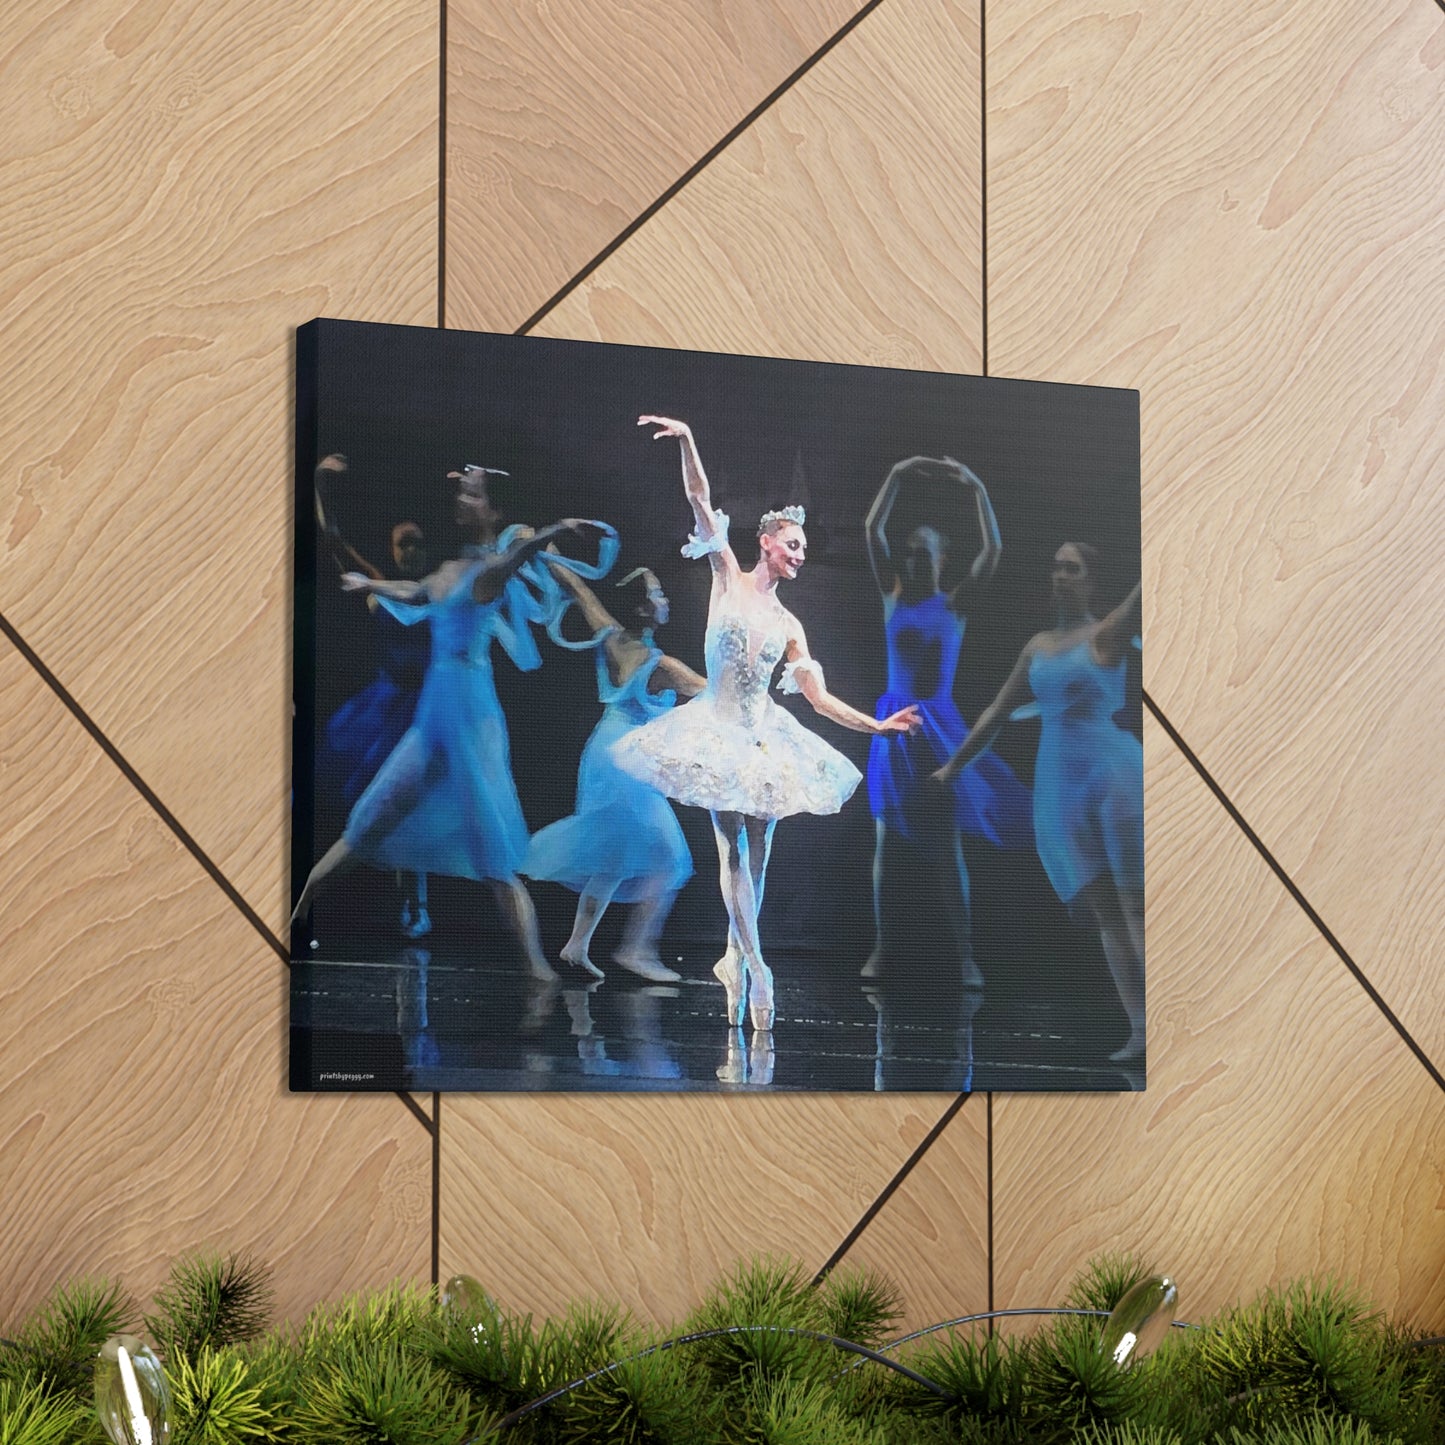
(784,514)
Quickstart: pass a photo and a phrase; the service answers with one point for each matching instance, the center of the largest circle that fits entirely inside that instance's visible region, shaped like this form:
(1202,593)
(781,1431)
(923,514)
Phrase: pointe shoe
(728,971)
(761,1005)
(647,966)
(415,925)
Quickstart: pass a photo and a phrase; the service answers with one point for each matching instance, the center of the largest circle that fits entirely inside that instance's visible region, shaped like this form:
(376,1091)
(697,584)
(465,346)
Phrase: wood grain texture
(1237,211)
(843,225)
(648,1199)
(567,119)
(142,1057)
(931,1236)
(184,184)
(1284,1132)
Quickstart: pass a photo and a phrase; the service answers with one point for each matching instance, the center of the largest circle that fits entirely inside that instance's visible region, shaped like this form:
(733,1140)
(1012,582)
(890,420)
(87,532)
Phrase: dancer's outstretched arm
(695,484)
(1014,693)
(680,677)
(415,593)
(986,563)
(807,676)
(1115,634)
(875,526)
(487,586)
(346,557)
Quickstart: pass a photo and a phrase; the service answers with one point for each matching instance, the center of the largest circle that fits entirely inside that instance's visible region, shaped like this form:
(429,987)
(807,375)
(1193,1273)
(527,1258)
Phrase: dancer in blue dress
(1089,779)
(623,843)
(734,751)
(924,628)
(444,800)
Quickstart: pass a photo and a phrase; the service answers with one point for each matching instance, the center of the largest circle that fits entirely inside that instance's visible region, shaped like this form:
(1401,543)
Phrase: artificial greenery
(1311,1364)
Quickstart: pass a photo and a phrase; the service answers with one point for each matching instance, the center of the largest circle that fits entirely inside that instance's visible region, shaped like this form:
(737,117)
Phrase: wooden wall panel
(1237,210)
(1285,1130)
(143,1039)
(184,184)
(931,1235)
(844,225)
(566,120)
(647,1199)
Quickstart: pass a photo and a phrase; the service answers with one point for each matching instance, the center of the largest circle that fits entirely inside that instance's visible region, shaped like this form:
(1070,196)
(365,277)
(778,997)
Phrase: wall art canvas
(677,721)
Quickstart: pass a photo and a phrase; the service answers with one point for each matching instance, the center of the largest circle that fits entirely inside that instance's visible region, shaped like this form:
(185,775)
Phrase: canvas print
(674,721)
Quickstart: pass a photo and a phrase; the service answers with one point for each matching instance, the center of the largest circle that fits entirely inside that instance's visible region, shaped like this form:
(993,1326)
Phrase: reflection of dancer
(732,749)
(444,801)
(623,843)
(924,629)
(1089,779)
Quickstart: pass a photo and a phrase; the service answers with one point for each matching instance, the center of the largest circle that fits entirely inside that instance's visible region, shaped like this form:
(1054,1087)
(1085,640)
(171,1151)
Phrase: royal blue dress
(924,641)
(1089,780)
(362,732)
(623,842)
(444,800)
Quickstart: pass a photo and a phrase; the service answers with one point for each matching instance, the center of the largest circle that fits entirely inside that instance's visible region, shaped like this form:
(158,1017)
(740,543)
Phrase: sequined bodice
(741,654)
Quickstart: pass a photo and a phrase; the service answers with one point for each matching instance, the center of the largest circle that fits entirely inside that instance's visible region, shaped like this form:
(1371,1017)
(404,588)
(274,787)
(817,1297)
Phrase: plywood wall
(1233,209)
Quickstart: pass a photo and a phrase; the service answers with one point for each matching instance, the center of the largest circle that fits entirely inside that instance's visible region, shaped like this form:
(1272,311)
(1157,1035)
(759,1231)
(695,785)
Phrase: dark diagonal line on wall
(144,789)
(167,817)
(871,1212)
(1294,891)
(697,167)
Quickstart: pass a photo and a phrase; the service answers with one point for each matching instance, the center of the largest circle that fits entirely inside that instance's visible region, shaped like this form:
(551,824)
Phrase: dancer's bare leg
(882,851)
(954,890)
(338,859)
(637,949)
(760,984)
(1120,915)
(391,795)
(736,881)
(590,908)
(520,917)
(415,920)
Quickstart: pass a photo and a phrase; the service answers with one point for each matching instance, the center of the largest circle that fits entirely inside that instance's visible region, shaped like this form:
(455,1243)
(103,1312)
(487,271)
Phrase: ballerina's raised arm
(710,539)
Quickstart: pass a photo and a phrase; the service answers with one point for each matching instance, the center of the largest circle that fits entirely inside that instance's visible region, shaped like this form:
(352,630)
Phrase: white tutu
(732,748)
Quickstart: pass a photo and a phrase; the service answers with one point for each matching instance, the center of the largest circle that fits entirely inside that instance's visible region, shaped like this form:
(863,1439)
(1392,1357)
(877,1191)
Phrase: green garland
(1311,1364)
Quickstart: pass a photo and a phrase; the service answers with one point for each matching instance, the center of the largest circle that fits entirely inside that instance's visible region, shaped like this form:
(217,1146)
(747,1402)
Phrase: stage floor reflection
(427,1022)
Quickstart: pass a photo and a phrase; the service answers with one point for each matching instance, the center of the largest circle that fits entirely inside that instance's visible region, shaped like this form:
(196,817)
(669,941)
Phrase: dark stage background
(407,405)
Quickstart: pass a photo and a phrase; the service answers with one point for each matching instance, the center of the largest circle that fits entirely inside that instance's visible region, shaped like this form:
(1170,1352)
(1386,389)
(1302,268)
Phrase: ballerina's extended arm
(875,526)
(346,557)
(699,495)
(1014,692)
(986,563)
(619,641)
(1115,634)
(802,674)
(490,581)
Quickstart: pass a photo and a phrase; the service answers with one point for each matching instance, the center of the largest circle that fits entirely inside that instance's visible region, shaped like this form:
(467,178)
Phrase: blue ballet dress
(1089,780)
(362,732)
(623,841)
(924,641)
(444,800)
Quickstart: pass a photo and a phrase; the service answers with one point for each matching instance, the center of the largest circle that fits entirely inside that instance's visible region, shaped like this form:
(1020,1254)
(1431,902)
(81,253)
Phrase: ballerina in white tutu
(732,749)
